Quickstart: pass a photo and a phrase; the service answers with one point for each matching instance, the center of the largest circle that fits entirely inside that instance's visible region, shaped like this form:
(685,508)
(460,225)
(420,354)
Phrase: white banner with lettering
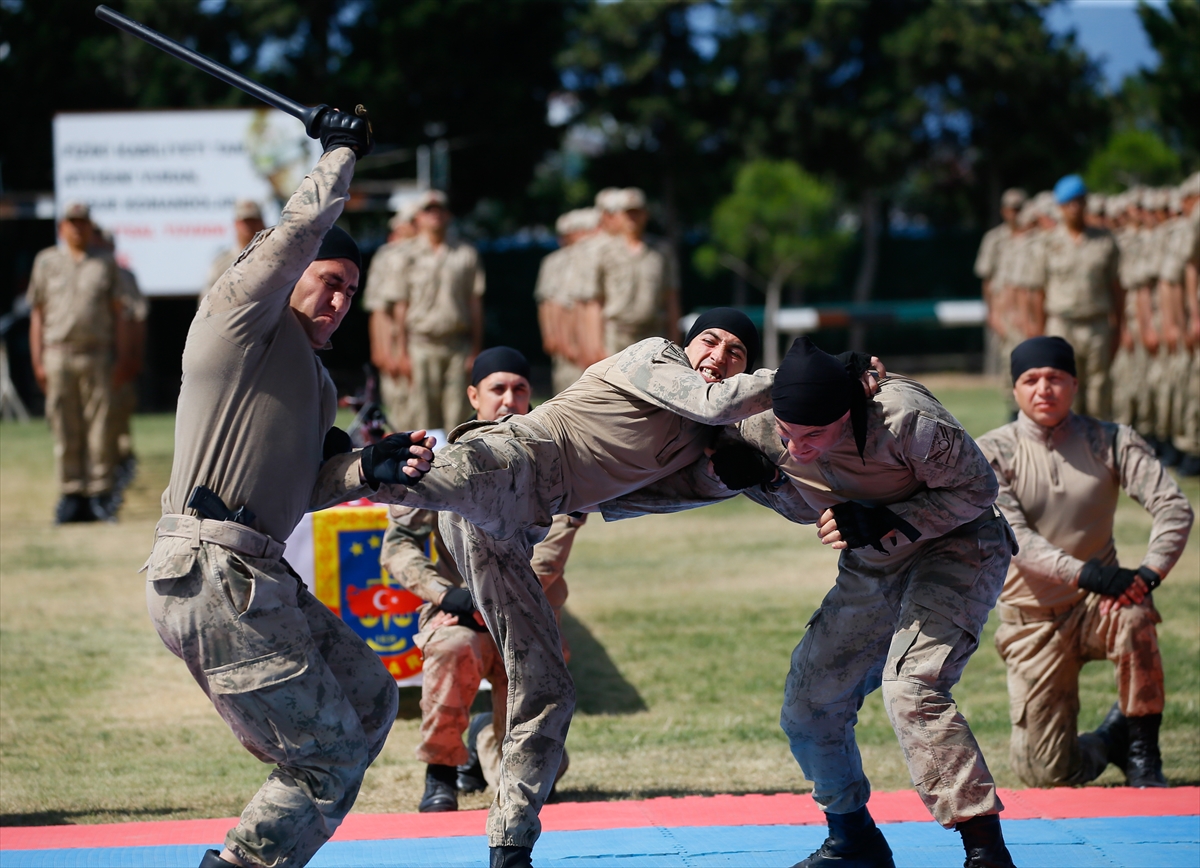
(165,182)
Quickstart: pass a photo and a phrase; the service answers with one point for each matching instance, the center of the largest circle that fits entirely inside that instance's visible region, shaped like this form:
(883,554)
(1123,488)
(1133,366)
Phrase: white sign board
(164,183)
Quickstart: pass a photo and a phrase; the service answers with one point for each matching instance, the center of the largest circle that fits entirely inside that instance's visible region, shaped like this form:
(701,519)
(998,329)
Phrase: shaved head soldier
(1066,599)
(629,421)
(254,449)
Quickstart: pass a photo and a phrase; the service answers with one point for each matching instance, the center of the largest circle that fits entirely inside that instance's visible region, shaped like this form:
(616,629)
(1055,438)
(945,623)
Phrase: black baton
(309,116)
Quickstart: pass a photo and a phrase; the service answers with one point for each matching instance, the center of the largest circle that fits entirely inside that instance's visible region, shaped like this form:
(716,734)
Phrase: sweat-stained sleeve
(658,371)
(403,552)
(1037,555)
(1146,480)
(267,270)
(959,481)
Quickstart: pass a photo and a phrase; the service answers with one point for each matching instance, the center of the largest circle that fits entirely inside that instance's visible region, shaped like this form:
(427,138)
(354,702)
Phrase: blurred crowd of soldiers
(1116,275)
(608,286)
(87,338)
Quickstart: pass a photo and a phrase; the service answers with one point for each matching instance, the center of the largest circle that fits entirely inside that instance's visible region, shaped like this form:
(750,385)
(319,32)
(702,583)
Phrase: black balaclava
(731,320)
(337,244)
(814,388)
(1042,352)
(498,359)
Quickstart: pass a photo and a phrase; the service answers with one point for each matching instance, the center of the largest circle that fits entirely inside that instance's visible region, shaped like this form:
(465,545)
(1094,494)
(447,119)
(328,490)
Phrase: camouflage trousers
(563,372)
(78,406)
(1133,403)
(498,486)
(1092,340)
(438,397)
(456,658)
(1168,371)
(1044,651)
(393,394)
(295,684)
(908,623)
(120,438)
(1187,430)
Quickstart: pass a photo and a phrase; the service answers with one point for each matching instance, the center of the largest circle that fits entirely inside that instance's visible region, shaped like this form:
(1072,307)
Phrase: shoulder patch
(936,441)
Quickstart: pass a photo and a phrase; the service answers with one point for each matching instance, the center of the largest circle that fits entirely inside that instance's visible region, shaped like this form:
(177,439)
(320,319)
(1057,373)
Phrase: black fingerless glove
(740,466)
(457,601)
(339,129)
(1115,580)
(862,526)
(384,462)
(337,442)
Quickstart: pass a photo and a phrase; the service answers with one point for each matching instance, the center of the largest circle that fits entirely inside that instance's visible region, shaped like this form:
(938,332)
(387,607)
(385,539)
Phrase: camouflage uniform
(135,308)
(1078,281)
(630,420)
(551,291)
(632,284)
(907,620)
(1059,489)
(384,279)
(78,299)
(1132,402)
(1188,428)
(219,266)
(456,657)
(438,286)
(294,683)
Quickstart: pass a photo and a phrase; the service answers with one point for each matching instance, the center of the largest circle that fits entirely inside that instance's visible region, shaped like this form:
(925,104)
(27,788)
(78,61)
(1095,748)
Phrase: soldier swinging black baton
(310,116)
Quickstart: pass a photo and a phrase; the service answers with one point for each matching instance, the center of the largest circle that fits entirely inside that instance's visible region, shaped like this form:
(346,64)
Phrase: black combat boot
(72,508)
(440,795)
(103,507)
(984,843)
(1190,465)
(470,773)
(510,857)
(1144,766)
(1114,732)
(212,859)
(854,842)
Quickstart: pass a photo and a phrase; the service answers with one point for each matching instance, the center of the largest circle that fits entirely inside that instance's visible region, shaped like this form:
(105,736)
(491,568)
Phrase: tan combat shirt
(438,286)
(1020,261)
(990,250)
(385,277)
(1079,274)
(1058,490)
(551,283)
(632,283)
(639,416)
(917,461)
(256,402)
(76,298)
(1180,242)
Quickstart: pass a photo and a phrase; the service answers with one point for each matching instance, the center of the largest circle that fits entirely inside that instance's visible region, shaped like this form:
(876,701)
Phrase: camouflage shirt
(386,275)
(990,251)
(77,297)
(1058,490)
(1078,273)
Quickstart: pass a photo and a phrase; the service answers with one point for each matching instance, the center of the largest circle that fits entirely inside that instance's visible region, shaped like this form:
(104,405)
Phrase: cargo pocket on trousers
(249,675)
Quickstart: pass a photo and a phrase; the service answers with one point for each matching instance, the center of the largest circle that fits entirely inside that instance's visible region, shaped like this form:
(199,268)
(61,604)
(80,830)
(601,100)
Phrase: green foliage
(1174,85)
(777,217)
(1132,157)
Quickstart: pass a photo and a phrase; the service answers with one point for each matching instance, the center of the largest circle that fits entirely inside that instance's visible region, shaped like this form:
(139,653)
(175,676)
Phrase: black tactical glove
(384,462)
(740,466)
(339,129)
(457,601)
(867,525)
(1115,580)
(337,442)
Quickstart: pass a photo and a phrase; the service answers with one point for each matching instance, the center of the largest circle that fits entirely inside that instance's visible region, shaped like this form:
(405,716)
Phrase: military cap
(1014,197)
(606,198)
(430,197)
(246,209)
(404,214)
(76,210)
(1096,203)
(635,198)
(1069,187)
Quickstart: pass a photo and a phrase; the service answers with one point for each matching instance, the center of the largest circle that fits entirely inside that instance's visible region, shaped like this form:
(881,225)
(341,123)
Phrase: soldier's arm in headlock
(1037,555)
(1146,480)
(658,371)
(277,257)
(408,533)
(959,481)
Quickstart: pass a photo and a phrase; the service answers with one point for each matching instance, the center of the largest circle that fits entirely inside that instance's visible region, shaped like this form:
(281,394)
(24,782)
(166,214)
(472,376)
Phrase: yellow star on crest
(356,549)
(374,542)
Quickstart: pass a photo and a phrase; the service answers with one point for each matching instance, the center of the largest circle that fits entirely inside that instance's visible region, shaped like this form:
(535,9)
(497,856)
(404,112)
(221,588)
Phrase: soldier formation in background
(85,354)
(1117,277)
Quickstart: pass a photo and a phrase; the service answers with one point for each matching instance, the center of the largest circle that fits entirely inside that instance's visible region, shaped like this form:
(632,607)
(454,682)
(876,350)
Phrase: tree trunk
(869,265)
(774,293)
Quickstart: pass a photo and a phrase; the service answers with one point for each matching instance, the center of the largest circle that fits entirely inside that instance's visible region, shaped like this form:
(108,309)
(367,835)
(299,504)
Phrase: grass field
(681,628)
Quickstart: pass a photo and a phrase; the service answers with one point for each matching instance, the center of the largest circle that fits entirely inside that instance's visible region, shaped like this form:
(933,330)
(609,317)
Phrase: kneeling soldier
(1067,600)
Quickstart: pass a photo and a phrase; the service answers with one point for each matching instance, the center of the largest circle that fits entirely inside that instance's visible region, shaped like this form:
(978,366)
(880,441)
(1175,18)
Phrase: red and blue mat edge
(687,811)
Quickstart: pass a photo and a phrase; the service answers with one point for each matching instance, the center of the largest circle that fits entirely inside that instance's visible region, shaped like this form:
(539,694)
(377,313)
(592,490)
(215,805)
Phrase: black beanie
(1042,352)
(731,320)
(499,359)
(813,388)
(337,244)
